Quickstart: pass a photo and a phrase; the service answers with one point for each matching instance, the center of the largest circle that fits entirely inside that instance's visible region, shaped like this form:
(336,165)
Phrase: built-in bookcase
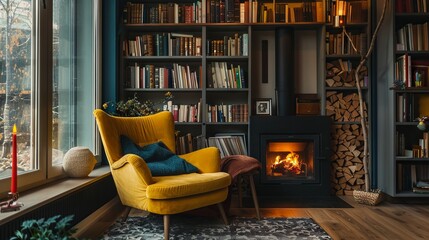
(404,154)
(217,57)
(411,98)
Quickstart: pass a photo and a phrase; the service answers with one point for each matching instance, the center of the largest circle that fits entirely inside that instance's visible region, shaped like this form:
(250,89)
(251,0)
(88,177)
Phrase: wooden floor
(385,221)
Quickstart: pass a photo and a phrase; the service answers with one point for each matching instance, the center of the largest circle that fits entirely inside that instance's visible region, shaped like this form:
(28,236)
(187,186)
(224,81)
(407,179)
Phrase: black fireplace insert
(294,154)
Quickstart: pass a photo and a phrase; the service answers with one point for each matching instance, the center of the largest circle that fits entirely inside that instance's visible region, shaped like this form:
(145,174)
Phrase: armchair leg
(166,226)
(222,212)
(126,213)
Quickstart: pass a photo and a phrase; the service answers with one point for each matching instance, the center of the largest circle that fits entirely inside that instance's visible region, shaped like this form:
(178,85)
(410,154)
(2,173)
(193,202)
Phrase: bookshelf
(230,64)
(405,156)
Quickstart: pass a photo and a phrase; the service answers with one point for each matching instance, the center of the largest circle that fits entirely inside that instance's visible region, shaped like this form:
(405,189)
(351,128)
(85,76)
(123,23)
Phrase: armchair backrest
(141,130)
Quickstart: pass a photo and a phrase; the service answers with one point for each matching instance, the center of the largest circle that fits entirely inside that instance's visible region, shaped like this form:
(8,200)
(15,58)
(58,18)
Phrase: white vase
(78,162)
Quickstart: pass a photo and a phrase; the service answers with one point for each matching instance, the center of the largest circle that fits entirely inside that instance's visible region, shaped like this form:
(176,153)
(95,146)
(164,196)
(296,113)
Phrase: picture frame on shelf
(263,106)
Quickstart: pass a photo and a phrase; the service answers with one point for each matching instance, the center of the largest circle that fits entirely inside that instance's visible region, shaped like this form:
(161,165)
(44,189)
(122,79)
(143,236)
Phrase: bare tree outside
(15,76)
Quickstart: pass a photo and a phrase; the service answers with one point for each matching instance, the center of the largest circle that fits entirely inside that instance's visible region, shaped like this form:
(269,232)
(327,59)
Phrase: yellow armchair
(164,195)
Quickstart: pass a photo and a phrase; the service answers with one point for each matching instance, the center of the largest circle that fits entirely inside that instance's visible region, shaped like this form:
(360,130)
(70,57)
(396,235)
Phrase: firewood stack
(343,107)
(347,140)
(346,160)
(341,74)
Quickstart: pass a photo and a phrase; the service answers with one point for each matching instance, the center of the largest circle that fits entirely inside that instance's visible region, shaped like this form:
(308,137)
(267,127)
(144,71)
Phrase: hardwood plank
(335,228)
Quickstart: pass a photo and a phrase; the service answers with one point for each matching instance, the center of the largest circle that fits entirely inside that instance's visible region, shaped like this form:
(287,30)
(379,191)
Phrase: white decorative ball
(78,162)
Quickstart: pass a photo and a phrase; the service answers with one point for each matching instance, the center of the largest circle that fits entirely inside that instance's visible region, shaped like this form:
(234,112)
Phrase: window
(48,84)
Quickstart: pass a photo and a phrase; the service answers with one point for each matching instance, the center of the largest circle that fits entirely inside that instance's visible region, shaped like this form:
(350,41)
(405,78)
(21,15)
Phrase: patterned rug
(185,227)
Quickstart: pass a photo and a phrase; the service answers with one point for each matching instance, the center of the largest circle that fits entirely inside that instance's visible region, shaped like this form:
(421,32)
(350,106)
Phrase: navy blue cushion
(160,160)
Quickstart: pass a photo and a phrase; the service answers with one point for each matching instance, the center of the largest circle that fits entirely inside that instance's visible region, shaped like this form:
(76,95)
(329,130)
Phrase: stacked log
(343,107)
(347,140)
(341,74)
(346,159)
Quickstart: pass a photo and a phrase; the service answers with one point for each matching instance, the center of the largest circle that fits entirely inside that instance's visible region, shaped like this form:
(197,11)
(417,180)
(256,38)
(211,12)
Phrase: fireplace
(293,152)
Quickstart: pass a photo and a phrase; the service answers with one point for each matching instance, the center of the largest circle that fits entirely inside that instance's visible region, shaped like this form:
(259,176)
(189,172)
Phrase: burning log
(291,164)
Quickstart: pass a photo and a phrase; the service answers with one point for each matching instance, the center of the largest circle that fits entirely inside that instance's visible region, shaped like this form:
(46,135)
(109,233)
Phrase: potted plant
(49,229)
(134,108)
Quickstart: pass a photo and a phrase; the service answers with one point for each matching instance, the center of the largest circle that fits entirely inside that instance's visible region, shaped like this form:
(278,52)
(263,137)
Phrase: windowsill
(40,196)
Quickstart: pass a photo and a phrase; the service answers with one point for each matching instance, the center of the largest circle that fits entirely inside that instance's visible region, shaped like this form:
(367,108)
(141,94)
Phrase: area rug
(185,227)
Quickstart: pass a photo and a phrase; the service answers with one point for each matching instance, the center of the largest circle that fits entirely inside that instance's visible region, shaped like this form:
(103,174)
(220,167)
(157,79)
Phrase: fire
(290,164)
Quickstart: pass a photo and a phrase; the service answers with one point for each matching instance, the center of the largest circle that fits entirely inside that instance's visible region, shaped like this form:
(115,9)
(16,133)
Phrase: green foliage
(49,229)
(134,108)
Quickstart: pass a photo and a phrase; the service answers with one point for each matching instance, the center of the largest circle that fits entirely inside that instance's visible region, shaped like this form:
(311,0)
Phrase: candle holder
(11,204)
(340,21)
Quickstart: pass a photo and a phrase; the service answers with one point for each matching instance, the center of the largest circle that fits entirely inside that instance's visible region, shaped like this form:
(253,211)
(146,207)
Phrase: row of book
(339,43)
(227,143)
(412,6)
(420,150)
(184,112)
(216,113)
(187,143)
(405,108)
(247,11)
(412,73)
(412,177)
(354,11)
(176,76)
(287,12)
(227,113)
(237,45)
(162,44)
(413,37)
(220,76)
(139,13)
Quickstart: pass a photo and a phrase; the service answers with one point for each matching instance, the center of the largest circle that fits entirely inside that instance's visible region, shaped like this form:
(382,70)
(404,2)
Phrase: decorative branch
(362,62)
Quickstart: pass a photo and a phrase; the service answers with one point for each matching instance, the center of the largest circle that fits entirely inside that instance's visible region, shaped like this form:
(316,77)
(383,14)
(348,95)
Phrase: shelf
(410,159)
(413,53)
(344,88)
(411,90)
(188,123)
(226,123)
(162,90)
(343,56)
(231,26)
(165,27)
(227,89)
(330,26)
(164,58)
(298,25)
(227,58)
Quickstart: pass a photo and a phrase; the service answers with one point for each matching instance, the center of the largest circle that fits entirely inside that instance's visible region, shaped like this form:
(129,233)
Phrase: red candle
(13,182)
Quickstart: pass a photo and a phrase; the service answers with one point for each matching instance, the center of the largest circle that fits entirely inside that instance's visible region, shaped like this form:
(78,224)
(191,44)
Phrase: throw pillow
(160,160)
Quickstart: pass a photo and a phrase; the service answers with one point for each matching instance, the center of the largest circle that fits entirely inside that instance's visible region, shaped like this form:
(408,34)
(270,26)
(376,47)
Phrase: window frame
(42,62)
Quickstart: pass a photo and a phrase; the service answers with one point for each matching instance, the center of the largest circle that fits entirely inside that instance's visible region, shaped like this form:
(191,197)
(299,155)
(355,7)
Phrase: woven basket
(368,198)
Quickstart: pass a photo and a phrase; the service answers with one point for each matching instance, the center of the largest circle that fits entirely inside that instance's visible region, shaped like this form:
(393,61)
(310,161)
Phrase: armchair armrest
(207,160)
(136,162)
